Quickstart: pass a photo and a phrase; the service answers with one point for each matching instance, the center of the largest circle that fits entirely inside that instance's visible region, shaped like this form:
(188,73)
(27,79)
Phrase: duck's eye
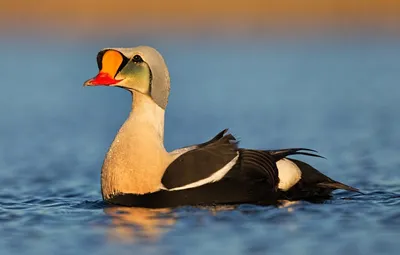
(137,58)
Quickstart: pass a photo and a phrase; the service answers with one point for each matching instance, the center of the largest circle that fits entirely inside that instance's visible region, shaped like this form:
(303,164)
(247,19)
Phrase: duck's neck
(137,158)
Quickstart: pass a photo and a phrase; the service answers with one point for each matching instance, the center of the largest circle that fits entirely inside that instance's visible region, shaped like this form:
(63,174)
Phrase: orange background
(91,17)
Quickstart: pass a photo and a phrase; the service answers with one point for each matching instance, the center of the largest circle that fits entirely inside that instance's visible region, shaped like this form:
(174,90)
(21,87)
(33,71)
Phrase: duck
(139,172)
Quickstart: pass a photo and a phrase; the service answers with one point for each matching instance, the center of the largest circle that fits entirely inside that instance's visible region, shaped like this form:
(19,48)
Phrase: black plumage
(253,178)
(313,184)
(201,162)
(225,192)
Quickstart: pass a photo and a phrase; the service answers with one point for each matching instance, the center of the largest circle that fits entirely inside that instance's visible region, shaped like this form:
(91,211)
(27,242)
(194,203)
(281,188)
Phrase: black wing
(216,138)
(256,166)
(196,146)
(201,162)
(251,166)
(283,153)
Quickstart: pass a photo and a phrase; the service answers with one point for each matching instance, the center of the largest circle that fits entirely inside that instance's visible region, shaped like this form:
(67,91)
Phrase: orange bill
(110,63)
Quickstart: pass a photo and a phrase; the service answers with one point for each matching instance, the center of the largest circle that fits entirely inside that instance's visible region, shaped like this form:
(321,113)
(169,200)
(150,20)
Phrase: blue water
(340,96)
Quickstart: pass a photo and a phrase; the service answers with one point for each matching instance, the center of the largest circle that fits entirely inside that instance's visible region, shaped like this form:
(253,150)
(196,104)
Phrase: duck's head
(140,69)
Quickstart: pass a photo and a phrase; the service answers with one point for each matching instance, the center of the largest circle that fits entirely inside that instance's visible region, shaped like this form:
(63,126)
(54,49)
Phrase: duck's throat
(137,158)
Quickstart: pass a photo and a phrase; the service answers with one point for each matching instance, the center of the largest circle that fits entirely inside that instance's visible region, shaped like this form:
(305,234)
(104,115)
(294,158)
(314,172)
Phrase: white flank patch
(218,175)
(289,174)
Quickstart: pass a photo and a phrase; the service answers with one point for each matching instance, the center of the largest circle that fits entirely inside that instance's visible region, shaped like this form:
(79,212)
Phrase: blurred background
(76,19)
(316,74)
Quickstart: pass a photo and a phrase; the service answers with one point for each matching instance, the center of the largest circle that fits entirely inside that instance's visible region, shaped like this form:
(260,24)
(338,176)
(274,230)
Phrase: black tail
(313,184)
(337,185)
(313,177)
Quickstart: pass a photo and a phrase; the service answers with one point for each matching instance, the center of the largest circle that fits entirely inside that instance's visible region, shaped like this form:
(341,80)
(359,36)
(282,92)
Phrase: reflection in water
(288,204)
(130,224)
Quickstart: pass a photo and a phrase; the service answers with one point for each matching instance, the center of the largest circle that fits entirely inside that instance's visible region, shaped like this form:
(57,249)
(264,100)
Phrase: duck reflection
(286,204)
(130,224)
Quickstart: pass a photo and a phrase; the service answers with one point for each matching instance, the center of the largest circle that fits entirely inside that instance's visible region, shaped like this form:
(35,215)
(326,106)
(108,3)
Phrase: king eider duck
(138,171)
